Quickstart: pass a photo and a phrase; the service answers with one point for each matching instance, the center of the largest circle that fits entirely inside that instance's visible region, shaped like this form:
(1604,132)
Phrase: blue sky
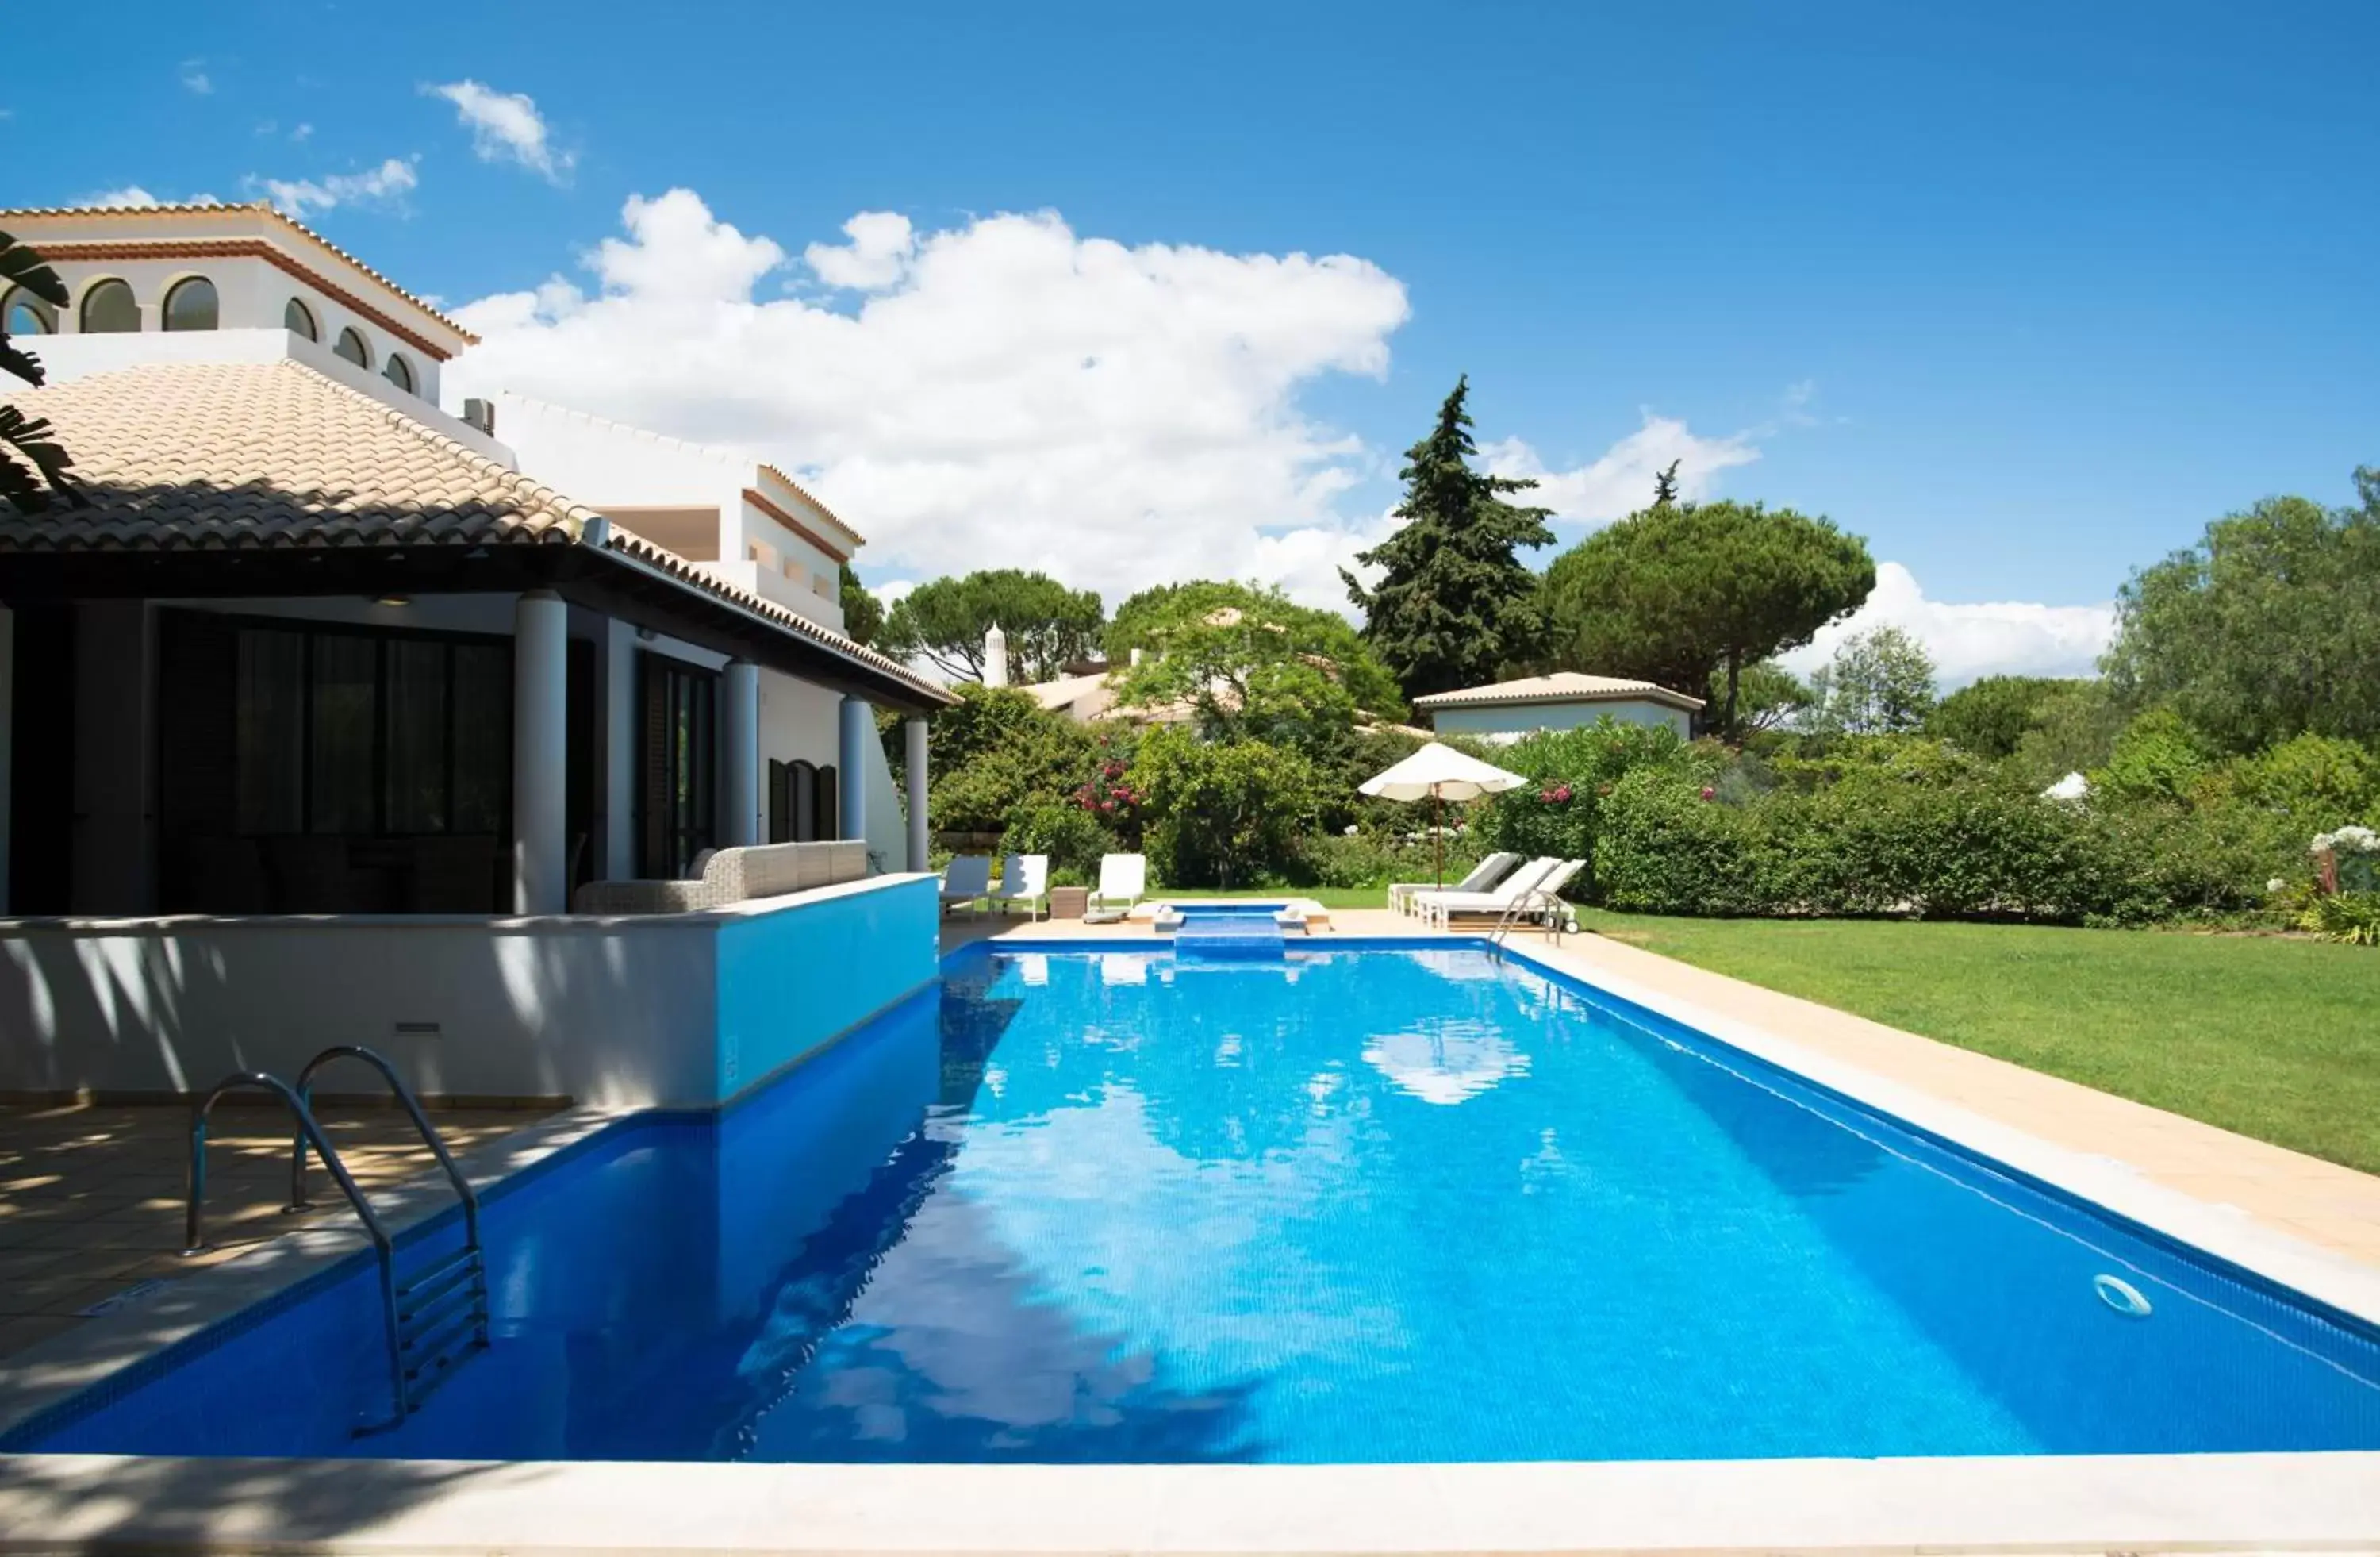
(2023,293)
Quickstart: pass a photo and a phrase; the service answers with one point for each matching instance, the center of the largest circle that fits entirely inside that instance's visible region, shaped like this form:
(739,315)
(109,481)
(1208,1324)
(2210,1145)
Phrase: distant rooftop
(1561,686)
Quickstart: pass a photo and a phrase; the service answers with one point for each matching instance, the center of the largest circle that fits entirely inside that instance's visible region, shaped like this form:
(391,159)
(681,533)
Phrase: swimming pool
(1358,1205)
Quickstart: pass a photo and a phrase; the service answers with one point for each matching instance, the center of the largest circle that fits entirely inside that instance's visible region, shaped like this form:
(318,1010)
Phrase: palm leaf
(28,439)
(21,265)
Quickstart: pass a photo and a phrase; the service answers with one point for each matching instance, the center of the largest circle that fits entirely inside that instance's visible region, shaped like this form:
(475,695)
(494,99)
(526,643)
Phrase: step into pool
(1356,1204)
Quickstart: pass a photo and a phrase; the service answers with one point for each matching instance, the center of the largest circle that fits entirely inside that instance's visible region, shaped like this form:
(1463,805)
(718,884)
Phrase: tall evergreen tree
(1455,604)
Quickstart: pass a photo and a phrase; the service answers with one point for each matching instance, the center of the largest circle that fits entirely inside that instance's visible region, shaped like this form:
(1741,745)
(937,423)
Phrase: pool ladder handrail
(1518,911)
(194,1240)
(421,1323)
(432,1333)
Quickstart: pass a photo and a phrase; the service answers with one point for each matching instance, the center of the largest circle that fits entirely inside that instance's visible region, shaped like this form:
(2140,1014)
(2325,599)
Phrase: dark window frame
(671,692)
(309,629)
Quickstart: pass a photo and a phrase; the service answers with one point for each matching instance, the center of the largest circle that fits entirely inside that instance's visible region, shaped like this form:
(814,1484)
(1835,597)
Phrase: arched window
(191,305)
(398,372)
(351,346)
(300,320)
(21,314)
(108,309)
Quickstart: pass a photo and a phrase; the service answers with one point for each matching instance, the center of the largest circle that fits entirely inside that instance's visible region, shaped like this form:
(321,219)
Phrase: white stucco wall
(682,1009)
(1520,719)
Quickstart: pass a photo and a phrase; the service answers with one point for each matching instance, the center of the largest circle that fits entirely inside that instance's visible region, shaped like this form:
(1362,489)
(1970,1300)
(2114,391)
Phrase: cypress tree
(1455,605)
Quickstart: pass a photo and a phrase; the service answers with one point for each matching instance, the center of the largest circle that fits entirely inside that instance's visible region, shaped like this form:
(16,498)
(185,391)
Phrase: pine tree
(1664,486)
(1455,604)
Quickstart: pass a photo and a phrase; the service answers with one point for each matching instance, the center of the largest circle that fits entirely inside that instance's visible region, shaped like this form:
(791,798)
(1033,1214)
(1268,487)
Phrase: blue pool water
(1354,1205)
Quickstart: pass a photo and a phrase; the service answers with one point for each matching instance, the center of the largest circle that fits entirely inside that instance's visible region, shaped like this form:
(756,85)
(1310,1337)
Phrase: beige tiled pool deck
(91,1197)
(2335,1208)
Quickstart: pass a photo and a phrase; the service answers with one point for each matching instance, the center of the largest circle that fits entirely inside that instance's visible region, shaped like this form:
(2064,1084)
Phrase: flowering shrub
(2348,860)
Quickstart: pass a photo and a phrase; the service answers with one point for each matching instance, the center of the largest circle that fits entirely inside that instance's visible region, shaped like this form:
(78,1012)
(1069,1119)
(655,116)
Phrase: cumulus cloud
(386,185)
(505,127)
(195,78)
(1001,392)
(2000,637)
(1621,480)
(881,244)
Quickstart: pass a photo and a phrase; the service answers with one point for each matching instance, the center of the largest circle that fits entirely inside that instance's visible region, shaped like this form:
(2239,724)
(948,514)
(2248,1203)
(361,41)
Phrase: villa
(329,702)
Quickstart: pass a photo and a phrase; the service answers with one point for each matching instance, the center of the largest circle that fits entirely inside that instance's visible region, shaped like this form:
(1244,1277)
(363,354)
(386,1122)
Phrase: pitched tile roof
(198,457)
(1562,687)
(209,455)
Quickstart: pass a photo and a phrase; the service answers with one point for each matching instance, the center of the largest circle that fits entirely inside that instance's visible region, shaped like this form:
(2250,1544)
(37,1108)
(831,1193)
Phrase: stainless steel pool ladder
(1517,912)
(433,1320)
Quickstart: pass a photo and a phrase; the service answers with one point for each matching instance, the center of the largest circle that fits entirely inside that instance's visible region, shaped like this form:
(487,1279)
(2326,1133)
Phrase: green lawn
(2277,1039)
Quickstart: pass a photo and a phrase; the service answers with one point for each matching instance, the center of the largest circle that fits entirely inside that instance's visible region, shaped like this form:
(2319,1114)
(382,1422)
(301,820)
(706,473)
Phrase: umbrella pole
(1436,838)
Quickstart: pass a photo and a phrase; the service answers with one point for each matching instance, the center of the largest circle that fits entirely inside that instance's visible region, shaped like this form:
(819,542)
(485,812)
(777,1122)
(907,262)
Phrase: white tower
(995,657)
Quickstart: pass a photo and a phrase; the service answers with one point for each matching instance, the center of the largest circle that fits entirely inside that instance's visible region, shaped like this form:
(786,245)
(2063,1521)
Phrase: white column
(919,851)
(858,728)
(540,706)
(7,737)
(739,753)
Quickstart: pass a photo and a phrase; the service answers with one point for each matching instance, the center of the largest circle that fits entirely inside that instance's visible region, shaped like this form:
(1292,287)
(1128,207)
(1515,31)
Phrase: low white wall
(1521,719)
(680,1010)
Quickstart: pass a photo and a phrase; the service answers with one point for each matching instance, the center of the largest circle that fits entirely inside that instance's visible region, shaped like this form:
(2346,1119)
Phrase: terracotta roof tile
(202,456)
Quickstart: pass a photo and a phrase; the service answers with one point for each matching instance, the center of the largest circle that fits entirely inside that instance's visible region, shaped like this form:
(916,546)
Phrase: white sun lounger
(1023,878)
(1124,879)
(1484,875)
(966,879)
(1428,903)
(1537,897)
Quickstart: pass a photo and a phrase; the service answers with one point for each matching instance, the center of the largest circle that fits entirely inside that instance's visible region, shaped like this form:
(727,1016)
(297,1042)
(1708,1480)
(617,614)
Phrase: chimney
(995,657)
(480,414)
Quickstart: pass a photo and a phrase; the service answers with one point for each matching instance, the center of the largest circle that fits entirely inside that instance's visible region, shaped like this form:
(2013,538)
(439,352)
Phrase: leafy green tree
(1454,604)
(1767,696)
(1046,624)
(1880,683)
(1679,593)
(863,614)
(2158,757)
(998,750)
(2265,629)
(33,465)
(1990,717)
(2074,731)
(1221,814)
(1248,663)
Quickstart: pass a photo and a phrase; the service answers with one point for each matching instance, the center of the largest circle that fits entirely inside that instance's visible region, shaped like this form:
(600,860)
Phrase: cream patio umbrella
(1442,773)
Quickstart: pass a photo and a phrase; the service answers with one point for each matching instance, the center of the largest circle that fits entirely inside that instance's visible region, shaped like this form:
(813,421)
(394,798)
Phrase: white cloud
(1621,481)
(1006,392)
(302,132)
(130,196)
(386,185)
(195,78)
(133,196)
(2000,637)
(505,127)
(881,244)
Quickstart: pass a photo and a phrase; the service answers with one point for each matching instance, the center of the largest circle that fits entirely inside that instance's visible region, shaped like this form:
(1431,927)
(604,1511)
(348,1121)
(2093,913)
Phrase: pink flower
(1107,805)
(1710,794)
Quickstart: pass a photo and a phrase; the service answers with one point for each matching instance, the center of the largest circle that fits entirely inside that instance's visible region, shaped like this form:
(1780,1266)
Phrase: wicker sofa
(729,876)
